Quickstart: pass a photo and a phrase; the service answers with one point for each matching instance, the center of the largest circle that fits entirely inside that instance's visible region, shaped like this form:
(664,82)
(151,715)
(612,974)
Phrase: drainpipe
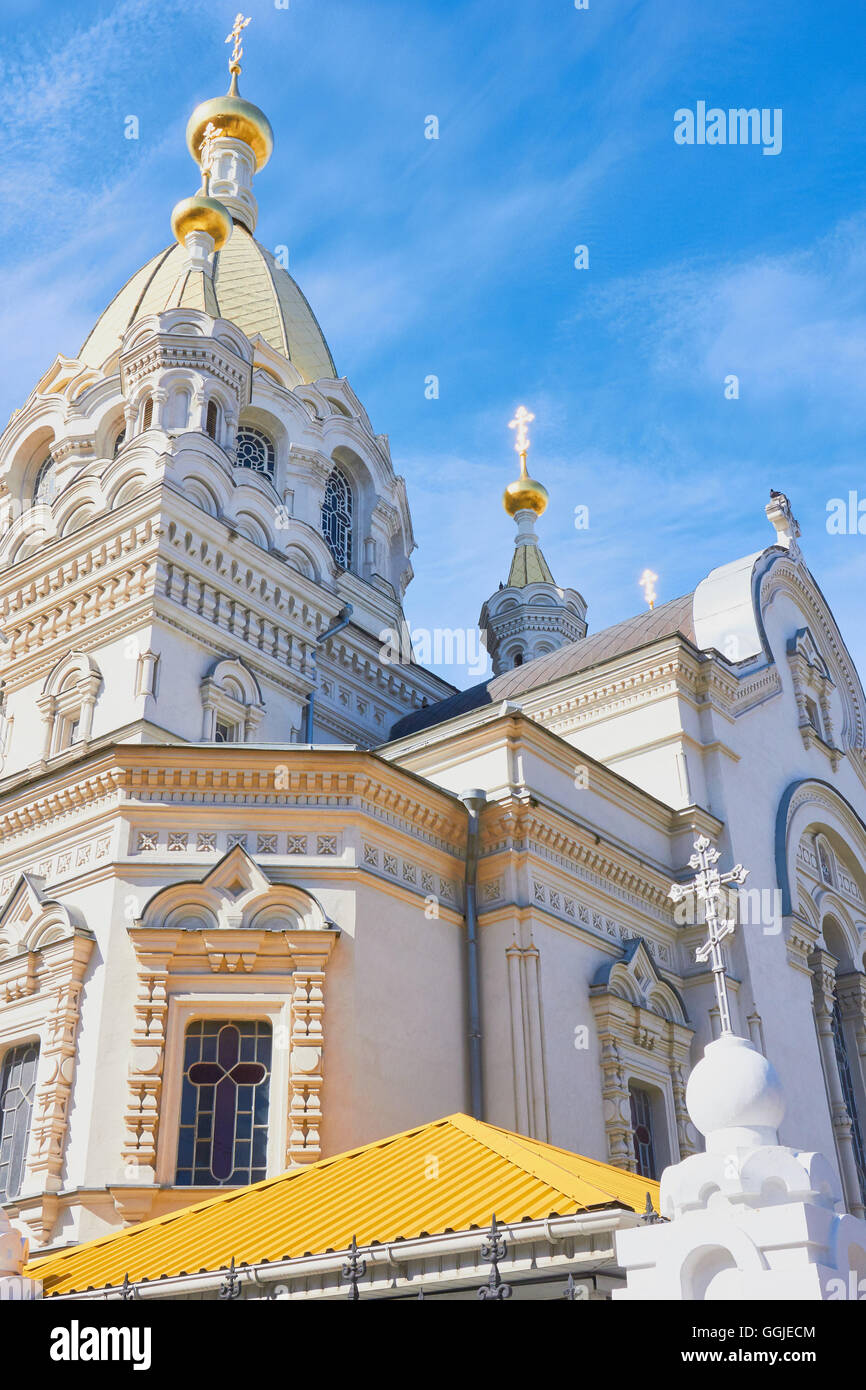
(473,800)
(343,619)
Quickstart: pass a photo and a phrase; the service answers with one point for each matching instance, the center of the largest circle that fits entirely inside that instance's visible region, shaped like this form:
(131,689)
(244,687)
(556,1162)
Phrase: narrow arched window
(119,443)
(46,482)
(255,450)
(643,1138)
(147,416)
(518,658)
(223,1132)
(337,518)
(212,419)
(17,1087)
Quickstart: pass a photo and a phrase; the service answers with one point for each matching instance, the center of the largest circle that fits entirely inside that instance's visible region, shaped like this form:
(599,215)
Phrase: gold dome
(202,214)
(237,120)
(525,495)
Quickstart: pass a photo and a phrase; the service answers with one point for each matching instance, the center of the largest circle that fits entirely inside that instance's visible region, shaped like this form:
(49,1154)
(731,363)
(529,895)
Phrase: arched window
(518,658)
(119,443)
(212,419)
(17,1085)
(223,1134)
(255,450)
(643,1137)
(147,415)
(337,518)
(45,486)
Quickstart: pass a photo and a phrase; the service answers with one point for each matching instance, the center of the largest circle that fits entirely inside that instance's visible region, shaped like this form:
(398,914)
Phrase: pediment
(635,978)
(29,921)
(235,895)
(803,644)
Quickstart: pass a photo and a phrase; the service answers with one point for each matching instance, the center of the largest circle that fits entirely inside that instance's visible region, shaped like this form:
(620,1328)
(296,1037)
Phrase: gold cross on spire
(206,158)
(521,419)
(235,36)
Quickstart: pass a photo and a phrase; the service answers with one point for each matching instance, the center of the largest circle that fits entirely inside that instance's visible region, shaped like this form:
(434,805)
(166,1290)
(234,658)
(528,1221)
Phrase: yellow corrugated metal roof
(449,1175)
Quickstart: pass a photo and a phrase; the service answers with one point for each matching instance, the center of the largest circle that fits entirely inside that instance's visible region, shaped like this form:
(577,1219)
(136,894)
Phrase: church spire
(530,615)
(243,142)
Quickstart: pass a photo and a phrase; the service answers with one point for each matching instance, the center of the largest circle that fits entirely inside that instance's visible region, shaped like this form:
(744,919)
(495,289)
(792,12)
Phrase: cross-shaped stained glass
(223,1133)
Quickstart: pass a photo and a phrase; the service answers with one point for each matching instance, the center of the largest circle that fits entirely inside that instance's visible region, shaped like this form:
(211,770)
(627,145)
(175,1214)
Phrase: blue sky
(455,257)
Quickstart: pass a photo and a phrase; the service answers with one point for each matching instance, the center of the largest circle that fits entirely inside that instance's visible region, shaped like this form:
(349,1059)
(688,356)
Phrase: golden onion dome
(202,214)
(237,120)
(525,494)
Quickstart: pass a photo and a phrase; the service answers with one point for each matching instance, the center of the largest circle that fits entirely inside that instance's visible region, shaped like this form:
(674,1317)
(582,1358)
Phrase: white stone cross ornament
(707,886)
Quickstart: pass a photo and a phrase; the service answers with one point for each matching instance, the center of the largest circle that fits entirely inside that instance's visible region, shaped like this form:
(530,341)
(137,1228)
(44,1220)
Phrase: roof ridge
(541,1166)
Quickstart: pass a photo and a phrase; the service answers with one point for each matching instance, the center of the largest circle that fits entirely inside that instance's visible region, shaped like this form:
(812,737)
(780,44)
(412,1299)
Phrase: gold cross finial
(206,157)
(521,419)
(647,582)
(235,36)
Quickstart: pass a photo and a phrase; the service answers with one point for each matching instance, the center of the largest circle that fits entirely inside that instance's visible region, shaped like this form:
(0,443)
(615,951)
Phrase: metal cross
(206,151)
(707,885)
(522,418)
(235,36)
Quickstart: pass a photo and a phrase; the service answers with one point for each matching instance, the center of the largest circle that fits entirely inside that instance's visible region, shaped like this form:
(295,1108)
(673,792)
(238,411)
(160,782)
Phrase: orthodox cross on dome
(206,158)
(707,885)
(648,581)
(522,442)
(236,37)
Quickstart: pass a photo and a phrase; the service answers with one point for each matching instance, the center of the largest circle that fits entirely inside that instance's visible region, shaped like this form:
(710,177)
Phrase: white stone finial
(781,516)
(734,1096)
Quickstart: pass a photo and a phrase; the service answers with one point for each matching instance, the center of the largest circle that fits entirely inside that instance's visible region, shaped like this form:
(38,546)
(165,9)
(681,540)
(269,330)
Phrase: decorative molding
(233,921)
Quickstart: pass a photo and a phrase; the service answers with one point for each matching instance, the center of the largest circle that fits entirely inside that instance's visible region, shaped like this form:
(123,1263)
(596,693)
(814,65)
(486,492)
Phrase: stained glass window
(337,518)
(255,450)
(17,1085)
(642,1132)
(844,1064)
(46,482)
(223,1135)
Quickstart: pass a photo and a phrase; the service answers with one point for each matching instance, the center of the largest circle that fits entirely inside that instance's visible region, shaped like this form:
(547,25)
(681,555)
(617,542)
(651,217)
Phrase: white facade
(172,851)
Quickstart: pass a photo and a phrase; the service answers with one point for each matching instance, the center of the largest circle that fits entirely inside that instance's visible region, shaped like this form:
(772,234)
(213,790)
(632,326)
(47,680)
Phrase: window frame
(10,1046)
(266,1006)
(270,468)
(345,558)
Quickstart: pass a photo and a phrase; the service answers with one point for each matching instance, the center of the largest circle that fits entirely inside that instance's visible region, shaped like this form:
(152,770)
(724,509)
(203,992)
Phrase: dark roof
(639,631)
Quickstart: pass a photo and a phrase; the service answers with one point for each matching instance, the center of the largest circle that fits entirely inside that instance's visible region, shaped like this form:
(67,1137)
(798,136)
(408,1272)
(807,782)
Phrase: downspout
(343,619)
(473,800)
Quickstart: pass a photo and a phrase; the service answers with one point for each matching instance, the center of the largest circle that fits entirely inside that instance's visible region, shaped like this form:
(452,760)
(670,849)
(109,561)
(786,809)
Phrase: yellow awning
(450,1175)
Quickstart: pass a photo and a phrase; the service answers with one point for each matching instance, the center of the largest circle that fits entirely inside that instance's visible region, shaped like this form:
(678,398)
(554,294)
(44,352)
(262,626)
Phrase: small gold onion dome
(202,214)
(525,495)
(237,120)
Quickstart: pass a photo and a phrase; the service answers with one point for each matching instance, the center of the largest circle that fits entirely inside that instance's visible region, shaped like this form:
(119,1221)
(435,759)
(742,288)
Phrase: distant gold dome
(525,494)
(237,120)
(202,214)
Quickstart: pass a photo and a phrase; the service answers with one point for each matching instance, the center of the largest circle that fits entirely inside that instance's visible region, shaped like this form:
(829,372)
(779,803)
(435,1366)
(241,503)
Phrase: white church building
(270,894)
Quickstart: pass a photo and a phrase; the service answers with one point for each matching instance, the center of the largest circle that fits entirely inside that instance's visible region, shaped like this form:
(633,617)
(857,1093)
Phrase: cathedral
(287,917)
